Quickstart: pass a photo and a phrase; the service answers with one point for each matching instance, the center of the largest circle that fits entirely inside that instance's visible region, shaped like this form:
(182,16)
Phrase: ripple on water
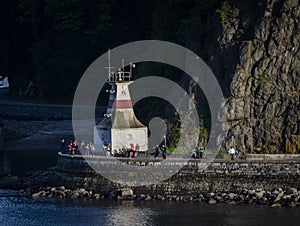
(17,209)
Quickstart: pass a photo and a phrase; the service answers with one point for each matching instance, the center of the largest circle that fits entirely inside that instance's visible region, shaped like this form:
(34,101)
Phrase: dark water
(16,209)
(19,163)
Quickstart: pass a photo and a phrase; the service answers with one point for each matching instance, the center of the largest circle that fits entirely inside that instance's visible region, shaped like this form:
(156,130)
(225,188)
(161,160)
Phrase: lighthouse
(119,127)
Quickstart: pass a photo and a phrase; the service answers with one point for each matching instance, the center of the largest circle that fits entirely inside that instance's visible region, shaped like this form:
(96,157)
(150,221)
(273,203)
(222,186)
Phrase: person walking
(157,151)
(231,151)
(74,148)
(131,151)
(136,151)
(108,150)
(93,149)
(164,151)
(87,149)
(198,152)
(201,151)
(62,145)
(82,146)
(70,147)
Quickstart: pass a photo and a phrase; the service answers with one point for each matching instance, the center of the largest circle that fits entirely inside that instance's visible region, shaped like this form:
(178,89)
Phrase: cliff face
(256,57)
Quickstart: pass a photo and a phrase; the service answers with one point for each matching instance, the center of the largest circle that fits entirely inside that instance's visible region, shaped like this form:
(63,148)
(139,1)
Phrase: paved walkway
(280,158)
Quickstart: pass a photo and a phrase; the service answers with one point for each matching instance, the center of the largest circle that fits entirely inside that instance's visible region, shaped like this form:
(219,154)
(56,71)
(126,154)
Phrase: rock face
(257,58)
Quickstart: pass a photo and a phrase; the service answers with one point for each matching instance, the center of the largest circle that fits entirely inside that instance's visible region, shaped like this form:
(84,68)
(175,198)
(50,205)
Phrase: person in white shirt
(231,151)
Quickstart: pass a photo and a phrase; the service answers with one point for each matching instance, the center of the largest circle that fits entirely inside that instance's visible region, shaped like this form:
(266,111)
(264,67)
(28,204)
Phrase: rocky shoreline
(54,184)
(267,182)
(276,198)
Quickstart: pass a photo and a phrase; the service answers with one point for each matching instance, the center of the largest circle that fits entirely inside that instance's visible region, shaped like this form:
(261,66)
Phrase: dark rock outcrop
(257,58)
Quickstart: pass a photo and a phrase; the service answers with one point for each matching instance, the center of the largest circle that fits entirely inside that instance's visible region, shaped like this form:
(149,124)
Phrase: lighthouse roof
(125,118)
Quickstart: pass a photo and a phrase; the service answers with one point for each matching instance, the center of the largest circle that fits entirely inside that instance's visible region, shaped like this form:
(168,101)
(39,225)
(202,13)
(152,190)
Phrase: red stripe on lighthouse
(120,104)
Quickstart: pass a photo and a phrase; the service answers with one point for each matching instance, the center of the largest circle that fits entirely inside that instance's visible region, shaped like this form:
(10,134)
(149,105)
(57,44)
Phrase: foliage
(51,42)
(251,47)
(65,15)
(58,61)
(174,132)
(203,135)
(225,11)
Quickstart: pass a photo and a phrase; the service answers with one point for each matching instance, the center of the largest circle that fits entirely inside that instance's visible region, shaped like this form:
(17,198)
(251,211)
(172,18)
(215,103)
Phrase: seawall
(270,182)
(221,175)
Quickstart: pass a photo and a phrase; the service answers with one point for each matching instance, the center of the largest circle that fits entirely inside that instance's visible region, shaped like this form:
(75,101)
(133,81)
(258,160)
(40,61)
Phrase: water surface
(16,209)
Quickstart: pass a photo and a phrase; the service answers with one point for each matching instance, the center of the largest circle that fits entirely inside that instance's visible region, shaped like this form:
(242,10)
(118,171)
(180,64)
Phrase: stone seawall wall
(218,177)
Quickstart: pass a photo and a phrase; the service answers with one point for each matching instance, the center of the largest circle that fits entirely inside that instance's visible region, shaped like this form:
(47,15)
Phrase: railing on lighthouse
(121,75)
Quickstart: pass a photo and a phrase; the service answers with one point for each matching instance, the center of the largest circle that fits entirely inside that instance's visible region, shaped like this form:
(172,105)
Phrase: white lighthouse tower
(120,127)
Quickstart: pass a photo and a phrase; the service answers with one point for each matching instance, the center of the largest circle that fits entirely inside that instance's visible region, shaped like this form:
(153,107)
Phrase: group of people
(161,149)
(73,148)
(236,154)
(198,152)
(131,152)
(89,149)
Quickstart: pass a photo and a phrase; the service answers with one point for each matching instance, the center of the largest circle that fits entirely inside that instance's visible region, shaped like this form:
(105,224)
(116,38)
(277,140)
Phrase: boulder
(218,198)
(126,192)
(62,188)
(278,197)
(212,201)
(39,194)
(231,196)
(75,195)
(82,190)
(259,194)
(252,192)
(149,198)
(276,205)
(123,193)
(291,191)
(97,196)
